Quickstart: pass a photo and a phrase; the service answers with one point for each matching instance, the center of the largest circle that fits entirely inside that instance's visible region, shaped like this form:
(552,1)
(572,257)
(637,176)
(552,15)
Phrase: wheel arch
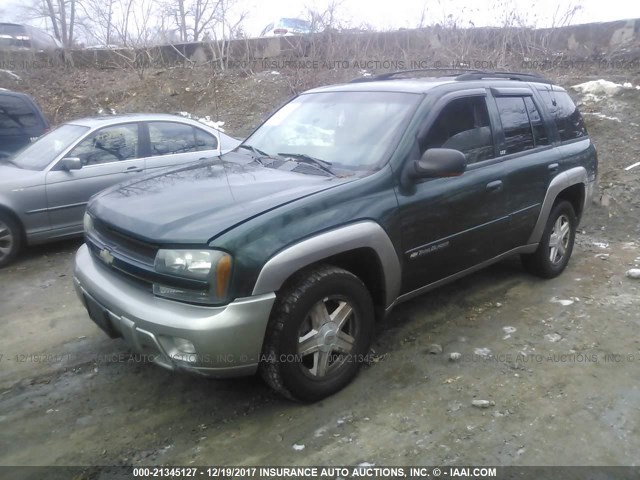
(362,248)
(570,185)
(8,211)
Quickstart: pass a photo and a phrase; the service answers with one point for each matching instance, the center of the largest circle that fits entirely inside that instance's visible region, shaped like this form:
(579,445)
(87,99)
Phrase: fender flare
(365,234)
(573,176)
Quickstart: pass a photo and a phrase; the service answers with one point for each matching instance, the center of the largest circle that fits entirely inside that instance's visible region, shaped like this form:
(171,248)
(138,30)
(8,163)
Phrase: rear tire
(10,239)
(318,334)
(556,245)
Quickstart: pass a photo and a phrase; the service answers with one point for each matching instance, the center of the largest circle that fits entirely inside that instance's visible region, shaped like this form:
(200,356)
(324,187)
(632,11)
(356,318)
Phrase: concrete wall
(578,41)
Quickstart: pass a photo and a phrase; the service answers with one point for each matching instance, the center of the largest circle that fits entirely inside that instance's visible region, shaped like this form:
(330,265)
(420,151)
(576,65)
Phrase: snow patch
(600,87)
(11,74)
(206,120)
(602,115)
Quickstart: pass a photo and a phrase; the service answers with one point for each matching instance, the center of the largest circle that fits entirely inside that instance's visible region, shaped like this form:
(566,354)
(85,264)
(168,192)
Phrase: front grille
(128,256)
(128,246)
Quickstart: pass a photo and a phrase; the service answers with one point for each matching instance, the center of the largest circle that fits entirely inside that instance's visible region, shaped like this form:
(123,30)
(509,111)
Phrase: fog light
(183,345)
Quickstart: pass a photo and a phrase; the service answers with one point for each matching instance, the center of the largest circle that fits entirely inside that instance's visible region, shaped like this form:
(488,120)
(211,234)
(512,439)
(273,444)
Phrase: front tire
(10,239)
(318,334)
(556,245)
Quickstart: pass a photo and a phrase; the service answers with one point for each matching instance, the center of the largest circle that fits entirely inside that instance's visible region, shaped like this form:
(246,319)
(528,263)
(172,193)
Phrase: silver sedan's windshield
(351,130)
(44,150)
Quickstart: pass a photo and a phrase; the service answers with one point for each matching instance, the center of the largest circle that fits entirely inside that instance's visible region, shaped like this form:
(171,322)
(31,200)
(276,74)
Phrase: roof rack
(523,77)
(390,75)
(460,75)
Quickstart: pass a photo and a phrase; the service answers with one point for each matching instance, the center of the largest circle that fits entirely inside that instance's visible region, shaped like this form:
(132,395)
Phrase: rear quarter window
(565,114)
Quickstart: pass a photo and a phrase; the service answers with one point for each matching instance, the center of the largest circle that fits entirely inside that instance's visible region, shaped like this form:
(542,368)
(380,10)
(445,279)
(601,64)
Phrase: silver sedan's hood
(12,177)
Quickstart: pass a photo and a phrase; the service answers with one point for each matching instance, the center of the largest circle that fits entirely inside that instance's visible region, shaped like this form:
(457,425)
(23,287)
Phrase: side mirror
(70,163)
(439,162)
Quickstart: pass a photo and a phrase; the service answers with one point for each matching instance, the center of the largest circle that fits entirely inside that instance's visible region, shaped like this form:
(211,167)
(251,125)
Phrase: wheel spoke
(341,314)
(4,231)
(561,249)
(319,315)
(564,230)
(309,344)
(553,253)
(344,342)
(321,363)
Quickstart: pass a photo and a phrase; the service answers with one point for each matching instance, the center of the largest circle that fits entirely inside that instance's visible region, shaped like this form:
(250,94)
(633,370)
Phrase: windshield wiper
(258,155)
(309,160)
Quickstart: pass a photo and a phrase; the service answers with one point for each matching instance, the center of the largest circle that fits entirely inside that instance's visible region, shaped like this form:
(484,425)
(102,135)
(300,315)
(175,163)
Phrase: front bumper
(227,340)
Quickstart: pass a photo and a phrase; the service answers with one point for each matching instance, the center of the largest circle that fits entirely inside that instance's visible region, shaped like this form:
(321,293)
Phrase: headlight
(88,223)
(210,266)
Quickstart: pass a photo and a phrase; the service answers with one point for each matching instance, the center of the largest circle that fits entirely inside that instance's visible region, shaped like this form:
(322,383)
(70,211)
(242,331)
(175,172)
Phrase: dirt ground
(558,360)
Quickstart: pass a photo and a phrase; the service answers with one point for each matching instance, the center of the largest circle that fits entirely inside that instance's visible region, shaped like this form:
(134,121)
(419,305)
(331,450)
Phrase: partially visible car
(287,26)
(21,122)
(103,47)
(45,187)
(15,36)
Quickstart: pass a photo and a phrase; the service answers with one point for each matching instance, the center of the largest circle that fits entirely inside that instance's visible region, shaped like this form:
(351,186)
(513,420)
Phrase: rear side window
(565,114)
(17,113)
(515,124)
(169,138)
(539,131)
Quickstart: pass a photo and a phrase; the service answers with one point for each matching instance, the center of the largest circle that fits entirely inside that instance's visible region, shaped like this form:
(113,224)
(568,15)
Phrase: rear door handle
(494,186)
(133,170)
(553,167)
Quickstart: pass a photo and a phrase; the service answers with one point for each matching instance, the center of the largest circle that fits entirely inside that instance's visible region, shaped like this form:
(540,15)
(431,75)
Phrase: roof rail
(389,75)
(524,77)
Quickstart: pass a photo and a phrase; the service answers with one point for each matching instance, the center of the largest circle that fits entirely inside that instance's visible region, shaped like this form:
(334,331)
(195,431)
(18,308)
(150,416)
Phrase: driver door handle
(133,169)
(494,186)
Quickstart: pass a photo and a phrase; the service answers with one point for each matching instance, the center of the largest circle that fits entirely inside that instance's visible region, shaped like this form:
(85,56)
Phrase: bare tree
(59,14)
(193,17)
(99,22)
(326,17)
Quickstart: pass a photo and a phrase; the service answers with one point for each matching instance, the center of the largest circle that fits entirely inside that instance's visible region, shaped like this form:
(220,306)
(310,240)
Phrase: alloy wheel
(326,337)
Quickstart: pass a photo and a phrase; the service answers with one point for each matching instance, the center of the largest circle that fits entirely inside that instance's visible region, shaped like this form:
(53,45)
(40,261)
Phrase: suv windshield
(350,130)
(44,150)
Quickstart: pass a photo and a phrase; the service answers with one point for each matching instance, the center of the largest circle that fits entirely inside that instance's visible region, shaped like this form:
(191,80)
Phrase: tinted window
(462,125)
(109,144)
(540,136)
(16,113)
(565,114)
(168,138)
(515,124)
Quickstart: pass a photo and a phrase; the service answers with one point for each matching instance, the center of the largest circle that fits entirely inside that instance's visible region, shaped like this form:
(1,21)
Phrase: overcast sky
(386,14)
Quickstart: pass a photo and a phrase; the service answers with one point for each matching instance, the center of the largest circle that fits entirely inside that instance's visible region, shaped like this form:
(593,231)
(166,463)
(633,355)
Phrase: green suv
(279,256)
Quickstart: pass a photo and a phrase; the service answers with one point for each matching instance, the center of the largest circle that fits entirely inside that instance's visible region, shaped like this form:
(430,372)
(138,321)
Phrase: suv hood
(193,204)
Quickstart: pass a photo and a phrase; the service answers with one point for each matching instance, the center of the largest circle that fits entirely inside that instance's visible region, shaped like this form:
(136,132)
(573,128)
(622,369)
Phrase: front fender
(364,234)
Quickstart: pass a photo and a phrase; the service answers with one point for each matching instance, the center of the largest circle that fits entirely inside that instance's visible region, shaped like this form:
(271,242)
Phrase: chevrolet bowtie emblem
(106,257)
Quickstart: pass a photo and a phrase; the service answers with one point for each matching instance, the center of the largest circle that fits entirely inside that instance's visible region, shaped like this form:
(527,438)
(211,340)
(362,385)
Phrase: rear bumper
(227,340)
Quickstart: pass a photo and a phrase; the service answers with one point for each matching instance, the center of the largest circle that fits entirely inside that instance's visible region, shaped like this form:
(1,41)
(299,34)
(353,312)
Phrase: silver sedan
(44,188)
